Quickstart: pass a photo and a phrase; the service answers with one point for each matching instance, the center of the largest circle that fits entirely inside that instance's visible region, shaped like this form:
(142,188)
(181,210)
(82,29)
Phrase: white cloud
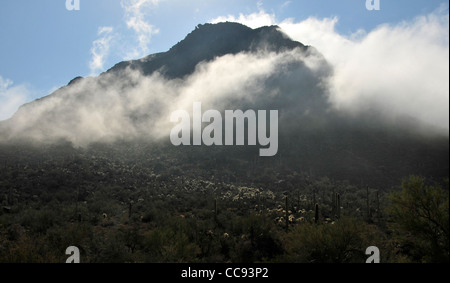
(100,49)
(286,4)
(4,84)
(137,47)
(128,104)
(401,70)
(11,97)
(260,5)
(254,20)
(397,69)
(135,20)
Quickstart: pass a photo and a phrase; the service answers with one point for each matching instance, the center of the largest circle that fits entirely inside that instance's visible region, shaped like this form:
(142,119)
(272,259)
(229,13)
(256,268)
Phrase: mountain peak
(208,41)
(230,34)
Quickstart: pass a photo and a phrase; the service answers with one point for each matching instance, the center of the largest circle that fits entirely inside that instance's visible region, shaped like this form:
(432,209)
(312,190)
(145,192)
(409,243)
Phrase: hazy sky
(44,45)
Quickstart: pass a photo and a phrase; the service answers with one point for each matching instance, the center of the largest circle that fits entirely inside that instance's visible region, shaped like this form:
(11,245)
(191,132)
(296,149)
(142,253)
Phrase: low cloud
(127,104)
(397,70)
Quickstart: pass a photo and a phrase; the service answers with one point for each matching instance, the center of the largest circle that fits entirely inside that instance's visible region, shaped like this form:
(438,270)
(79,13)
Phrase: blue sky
(44,45)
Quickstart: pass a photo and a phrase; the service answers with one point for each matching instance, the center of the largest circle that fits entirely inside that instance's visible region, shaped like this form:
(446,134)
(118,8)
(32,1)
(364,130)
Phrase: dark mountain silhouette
(207,42)
(314,138)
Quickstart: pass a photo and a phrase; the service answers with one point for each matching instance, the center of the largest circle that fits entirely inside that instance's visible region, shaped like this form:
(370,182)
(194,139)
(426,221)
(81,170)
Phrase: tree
(421,215)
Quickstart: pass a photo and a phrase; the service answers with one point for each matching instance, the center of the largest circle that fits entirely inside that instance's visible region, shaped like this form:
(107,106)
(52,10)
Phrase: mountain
(207,42)
(262,68)
(228,66)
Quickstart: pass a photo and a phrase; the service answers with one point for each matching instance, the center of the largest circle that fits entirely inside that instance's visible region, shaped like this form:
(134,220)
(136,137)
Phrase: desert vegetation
(154,208)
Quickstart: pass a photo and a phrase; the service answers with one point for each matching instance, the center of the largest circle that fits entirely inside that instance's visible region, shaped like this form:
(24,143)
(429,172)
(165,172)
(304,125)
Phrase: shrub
(421,219)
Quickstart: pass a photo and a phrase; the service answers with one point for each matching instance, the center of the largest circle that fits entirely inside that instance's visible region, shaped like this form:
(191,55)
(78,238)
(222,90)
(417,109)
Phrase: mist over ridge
(221,65)
(231,66)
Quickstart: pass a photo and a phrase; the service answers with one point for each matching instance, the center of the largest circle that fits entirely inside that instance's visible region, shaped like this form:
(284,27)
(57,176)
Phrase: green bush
(421,220)
(345,241)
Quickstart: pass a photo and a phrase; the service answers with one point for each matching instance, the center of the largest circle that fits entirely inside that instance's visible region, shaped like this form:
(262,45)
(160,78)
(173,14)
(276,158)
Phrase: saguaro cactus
(129,210)
(314,197)
(287,214)
(316,213)
(215,210)
(333,202)
(369,213)
(338,205)
(378,204)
